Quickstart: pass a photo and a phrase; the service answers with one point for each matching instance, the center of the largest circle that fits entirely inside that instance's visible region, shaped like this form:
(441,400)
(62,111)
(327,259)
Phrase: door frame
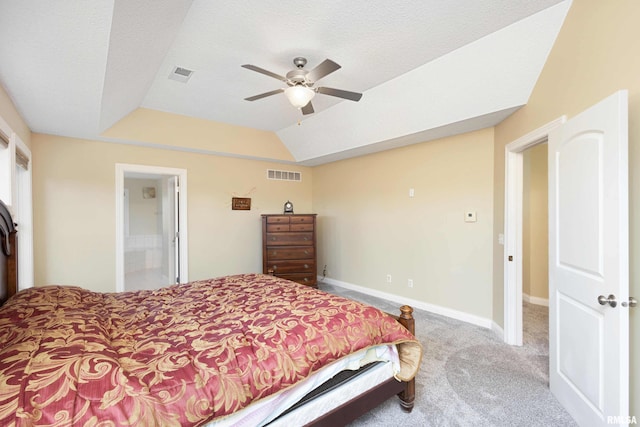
(121,169)
(513,223)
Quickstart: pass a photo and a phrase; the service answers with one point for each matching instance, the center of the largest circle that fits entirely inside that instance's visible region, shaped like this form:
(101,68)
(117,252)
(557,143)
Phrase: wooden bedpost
(12,265)
(406,319)
(408,395)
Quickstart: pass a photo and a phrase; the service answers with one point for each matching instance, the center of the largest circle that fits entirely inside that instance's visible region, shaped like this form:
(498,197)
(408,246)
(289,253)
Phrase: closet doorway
(150,227)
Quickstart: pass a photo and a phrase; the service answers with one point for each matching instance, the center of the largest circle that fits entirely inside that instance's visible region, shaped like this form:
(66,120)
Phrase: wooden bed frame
(341,415)
(360,405)
(8,255)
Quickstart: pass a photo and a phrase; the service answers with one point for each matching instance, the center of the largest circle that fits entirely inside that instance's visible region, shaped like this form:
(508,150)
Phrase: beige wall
(13,118)
(535,229)
(74,207)
(594,56)
(370,227)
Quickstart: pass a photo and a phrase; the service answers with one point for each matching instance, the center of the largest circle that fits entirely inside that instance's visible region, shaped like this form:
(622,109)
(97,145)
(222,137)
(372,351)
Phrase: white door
(588,261)
(170,228)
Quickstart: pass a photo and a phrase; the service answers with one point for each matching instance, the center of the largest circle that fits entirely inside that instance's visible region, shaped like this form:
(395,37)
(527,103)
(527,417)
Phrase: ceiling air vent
(180,74)
(284,175)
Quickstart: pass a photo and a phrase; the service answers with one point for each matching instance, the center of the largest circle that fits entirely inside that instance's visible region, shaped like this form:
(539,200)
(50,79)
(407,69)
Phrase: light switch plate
(470,216)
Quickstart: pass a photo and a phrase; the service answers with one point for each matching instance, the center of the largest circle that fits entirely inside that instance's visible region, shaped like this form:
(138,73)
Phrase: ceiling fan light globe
(299,96)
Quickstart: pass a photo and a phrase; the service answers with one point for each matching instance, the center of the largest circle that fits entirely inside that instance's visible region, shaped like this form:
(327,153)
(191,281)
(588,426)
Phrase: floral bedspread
(177,356)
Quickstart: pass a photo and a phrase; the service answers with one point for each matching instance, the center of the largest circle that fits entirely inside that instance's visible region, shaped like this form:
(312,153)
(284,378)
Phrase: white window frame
(17,193)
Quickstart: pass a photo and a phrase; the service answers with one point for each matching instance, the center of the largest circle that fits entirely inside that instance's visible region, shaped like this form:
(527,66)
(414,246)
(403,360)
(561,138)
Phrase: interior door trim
(513,224)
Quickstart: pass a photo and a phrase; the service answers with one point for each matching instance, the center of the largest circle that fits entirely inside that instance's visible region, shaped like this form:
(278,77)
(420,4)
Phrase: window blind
(22,159)
(4,140)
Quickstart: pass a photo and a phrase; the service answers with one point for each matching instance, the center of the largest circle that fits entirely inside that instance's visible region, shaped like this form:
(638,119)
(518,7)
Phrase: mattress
(265,411)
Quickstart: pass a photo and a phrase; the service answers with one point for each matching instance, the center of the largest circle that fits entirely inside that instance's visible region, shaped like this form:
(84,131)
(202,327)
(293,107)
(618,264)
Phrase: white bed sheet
(265,410)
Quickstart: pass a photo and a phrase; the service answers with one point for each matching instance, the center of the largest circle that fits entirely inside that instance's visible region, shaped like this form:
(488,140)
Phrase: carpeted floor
(469,377)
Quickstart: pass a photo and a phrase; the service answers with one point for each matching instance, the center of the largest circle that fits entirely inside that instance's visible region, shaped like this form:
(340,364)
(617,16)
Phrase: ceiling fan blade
(264,95)
(265,72)
(353,96)
(325,68)
(307,109)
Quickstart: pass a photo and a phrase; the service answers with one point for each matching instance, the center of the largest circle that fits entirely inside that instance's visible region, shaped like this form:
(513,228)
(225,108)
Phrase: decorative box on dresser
(289,247)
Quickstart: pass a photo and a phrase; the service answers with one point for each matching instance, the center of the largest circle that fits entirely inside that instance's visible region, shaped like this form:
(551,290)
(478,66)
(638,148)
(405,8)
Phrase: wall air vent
(284,175)
(180,74)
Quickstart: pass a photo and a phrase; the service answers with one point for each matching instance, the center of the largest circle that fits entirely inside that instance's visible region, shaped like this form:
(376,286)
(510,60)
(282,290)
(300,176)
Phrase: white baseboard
(535,300)
(432,308)
(497,329)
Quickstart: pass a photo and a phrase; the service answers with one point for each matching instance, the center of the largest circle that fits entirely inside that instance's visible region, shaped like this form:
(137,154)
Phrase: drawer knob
(275,267)
(306,238)
(306,252)
(306,266)
(273,238)
(306,279)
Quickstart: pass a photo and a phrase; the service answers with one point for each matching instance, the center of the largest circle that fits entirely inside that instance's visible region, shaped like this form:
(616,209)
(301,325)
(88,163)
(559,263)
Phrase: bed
(247,349)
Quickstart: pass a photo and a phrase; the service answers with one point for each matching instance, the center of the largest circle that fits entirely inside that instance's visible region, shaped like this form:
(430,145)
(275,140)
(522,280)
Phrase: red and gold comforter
(180,355)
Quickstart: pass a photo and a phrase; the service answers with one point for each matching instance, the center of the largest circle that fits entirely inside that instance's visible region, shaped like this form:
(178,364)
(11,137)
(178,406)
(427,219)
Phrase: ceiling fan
(301,82)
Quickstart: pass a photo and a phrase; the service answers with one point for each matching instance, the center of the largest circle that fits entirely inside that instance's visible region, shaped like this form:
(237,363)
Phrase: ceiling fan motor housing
(298,76)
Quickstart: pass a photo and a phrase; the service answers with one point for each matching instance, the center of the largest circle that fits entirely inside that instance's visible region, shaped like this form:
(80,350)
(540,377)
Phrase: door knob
(632,302)
(611,300)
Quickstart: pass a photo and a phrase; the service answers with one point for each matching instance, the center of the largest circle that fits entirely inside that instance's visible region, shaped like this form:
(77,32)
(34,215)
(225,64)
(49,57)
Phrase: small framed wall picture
(148,192)
(241,203)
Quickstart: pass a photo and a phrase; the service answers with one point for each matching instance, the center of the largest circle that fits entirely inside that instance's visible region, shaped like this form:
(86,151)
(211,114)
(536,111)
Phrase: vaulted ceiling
(426,68)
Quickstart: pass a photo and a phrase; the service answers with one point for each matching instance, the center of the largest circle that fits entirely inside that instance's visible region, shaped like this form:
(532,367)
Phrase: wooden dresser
(289,247)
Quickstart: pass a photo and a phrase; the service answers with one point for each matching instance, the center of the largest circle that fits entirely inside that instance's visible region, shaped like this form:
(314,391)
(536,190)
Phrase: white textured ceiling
(426,67)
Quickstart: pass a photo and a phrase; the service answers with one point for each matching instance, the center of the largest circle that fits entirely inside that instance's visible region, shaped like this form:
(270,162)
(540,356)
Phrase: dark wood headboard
(8,255)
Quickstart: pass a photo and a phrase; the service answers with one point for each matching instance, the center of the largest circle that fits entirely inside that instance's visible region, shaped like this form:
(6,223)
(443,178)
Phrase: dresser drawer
(302,219)
(292,266)
(279,227)
(285,252)
(299,227)
(291,238)
(304,279)
(283,219)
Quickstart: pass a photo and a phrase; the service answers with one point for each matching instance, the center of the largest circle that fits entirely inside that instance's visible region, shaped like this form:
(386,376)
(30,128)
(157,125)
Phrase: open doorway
(151,240)
(514,228)
(535,258)
(151,247)
(535,226)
